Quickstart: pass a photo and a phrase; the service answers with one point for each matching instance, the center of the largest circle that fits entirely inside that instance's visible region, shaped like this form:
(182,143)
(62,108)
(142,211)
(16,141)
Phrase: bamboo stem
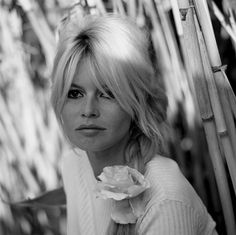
(221,18)
(221,179)
(190,47)
(177,18)
(100,6)
(177,81)
(208,32)
(120,7)
(232,98)
(180,77)
(215,61)
(132,8)
(41,29)
(196,66)
(228,8)
(160,47)
(220,105)
(228,113)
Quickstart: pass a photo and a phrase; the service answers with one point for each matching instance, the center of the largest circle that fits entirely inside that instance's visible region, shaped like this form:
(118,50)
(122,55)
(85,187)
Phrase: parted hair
(118,54)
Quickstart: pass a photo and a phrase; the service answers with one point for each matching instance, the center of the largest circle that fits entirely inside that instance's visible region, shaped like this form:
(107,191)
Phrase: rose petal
(137,176)
(111,188)
(135,190)
(101,185)
(122,213)
(137,206)
(117,176)
(119,182)
(105,194)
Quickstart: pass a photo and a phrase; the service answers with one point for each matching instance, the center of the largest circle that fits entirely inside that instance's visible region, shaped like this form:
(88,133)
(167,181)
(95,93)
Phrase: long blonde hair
(117,52)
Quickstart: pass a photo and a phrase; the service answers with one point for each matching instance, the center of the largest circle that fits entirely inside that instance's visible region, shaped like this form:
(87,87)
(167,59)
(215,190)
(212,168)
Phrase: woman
(111,106)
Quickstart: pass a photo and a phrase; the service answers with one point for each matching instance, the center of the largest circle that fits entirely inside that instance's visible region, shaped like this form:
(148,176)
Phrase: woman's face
(93,120)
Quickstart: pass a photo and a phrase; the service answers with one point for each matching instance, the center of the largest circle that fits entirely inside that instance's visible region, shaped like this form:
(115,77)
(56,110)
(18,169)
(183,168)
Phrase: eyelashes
(75,93)
(109,94)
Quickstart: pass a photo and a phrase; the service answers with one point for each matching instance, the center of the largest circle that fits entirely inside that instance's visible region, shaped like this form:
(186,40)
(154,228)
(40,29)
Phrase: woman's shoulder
(164,170)
(170,194)
(168,183)
(162,163)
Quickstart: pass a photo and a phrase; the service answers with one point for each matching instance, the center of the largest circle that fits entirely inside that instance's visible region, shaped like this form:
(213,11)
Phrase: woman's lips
(90,127)
(90,130)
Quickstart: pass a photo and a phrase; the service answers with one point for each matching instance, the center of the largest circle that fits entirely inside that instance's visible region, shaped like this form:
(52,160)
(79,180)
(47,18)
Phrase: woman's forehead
(86,72)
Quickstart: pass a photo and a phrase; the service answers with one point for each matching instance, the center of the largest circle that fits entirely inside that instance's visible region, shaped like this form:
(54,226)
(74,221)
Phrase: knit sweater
(172,207)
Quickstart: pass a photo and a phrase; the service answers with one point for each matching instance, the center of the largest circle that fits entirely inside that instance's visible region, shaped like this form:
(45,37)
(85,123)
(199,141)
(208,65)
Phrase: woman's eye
(107,95)
(74,94)
(104,95)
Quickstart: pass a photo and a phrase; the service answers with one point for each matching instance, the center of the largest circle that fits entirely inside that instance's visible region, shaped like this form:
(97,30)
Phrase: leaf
(49,199)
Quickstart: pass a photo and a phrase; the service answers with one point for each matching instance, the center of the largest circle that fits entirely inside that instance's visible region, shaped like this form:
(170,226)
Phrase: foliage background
(31,144)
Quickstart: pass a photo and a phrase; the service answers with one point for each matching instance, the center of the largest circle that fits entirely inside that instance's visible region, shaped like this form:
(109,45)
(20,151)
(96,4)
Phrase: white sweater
(172,205)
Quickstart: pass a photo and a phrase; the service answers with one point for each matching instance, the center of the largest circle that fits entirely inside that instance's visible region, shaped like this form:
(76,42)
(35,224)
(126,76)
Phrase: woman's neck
(108,157)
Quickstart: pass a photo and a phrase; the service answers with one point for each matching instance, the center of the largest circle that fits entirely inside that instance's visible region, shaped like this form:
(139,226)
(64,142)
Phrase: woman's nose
(90,108)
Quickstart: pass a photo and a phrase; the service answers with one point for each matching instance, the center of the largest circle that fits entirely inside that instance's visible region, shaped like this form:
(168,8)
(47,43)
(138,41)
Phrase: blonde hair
(117,52)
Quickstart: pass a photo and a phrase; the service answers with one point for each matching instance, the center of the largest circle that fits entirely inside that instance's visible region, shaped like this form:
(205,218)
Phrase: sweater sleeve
(173,218)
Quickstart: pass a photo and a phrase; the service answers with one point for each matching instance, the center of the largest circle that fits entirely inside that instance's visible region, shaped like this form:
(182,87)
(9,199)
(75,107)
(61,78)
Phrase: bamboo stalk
(119,7)
(230,6)
(221,179)
(180,76)
(114,6)
(26,111)
(206,26)
(220,112)
(223,115)
(220,122)
(221,19)
(226,144)
(232,98)
(100,6)
(13,141)
(171,83)
(160,47)
(228,9)
(176,83)
(191,47)
(41,29)
(180,73)
(131,4)
(210,177)
(140,15)
(22,151)
(194,65)
(179,15)
(215,61)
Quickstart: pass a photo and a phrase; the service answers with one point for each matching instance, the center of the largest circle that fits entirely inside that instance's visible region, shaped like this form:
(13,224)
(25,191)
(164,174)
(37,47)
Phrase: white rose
(123,184)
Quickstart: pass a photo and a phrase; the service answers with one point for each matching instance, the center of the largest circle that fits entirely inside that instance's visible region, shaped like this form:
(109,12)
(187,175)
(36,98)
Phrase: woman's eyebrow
(73,85)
